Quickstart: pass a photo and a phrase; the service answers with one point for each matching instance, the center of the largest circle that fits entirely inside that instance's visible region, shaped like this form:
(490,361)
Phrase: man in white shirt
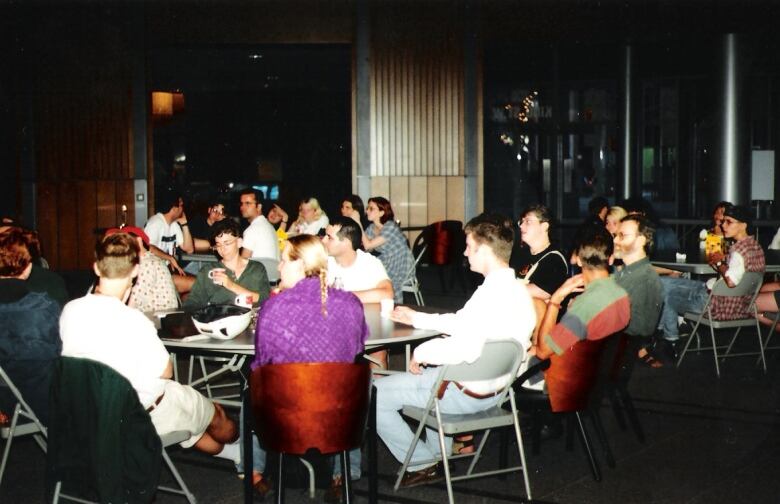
(167,231)
(260,237)
(101,327)
(501,308)
(351,269)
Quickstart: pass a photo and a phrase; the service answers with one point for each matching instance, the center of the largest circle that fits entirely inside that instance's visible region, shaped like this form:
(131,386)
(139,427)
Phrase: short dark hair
(593,247)
(384,205)
(494,230)
(169,200)
(259,197)
(540,211)
(225,226)
(348,229)
(644,227)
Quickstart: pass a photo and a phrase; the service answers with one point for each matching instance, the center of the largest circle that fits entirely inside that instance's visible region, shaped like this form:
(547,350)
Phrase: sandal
(463,445)
(645,355)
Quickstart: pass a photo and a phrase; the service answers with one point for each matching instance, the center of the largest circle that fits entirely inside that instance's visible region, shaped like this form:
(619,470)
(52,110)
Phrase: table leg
(373,475)
(247,437)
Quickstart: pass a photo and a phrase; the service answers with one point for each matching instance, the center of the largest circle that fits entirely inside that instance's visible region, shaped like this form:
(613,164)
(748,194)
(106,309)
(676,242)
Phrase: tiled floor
(709,441)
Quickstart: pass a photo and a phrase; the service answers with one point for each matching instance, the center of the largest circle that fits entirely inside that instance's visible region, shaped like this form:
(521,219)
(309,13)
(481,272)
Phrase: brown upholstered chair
(305,406)
(571,380)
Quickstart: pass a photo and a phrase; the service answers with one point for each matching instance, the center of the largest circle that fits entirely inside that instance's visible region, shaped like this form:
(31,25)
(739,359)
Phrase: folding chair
(30,423)
(412,284)
(775,316)
(499,358)
(93,404)
(749,286)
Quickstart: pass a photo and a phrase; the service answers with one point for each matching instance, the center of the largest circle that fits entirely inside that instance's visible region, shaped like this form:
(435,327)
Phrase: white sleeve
(775,245)
(153,231)
(736,267)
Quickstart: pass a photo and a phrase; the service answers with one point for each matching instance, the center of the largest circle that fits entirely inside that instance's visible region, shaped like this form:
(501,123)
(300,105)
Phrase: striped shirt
(602,309)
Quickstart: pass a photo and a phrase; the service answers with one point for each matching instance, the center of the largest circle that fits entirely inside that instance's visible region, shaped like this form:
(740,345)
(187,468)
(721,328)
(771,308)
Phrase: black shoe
(423,476)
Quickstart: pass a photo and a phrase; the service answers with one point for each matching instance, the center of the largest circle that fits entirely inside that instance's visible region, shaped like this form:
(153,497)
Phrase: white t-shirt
(162,235)
(311,228)
(364,274)
(260,237)
(103,329)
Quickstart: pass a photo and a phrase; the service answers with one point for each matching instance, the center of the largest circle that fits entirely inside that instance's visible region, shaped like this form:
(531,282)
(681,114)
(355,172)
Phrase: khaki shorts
(182,408)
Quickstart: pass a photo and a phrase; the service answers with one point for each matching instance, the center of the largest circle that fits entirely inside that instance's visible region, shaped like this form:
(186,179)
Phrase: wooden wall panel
(455,198)
(418,201)
(125,195)
(417,91)
(47,205)
(106,204)
(87,195)
(67,226)
(399,198)
(437,199)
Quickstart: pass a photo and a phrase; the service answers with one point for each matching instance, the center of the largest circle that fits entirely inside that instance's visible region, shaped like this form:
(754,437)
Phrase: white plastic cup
(386,307)
(244,300)
(212,272)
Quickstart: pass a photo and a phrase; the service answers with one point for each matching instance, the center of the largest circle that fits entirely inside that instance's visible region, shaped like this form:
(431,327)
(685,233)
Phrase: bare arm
(573,284)
(383,290)
(187,245)
(167,258)
(201,245)
(372,243)
(537,293)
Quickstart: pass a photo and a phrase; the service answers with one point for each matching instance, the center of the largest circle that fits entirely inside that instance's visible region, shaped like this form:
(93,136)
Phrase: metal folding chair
(750,285)
(30,424)
(412,284)
(499,358)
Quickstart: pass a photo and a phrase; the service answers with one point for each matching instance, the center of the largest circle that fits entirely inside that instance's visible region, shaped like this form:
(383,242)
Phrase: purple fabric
(292,328)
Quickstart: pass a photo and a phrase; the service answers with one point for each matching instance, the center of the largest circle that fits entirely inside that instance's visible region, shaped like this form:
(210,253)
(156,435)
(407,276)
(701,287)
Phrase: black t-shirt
(550,272)
(199,228)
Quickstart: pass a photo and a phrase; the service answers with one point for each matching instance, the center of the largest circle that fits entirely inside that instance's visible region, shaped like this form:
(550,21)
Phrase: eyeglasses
(729,222)
(620,236)
(224,244)
(527,221)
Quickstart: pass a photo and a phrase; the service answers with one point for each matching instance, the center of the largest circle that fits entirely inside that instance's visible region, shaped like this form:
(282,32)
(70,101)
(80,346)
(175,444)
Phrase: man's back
(101,328)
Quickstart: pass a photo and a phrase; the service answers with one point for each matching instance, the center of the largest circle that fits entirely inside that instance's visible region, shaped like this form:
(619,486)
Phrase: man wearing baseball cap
(153,289)
(682,295)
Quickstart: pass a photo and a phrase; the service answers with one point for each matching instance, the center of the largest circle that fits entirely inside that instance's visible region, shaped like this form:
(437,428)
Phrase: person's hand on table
(415,367)
(175,265)
(402,314)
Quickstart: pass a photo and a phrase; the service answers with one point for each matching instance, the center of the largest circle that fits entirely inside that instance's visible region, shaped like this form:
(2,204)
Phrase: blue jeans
(680,295)
(355,459)
(395,391)
(258,454)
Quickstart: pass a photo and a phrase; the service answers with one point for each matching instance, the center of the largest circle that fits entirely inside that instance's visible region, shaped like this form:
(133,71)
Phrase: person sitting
(501,308)
(351,269)
(232,276)
(311,219)
(682,295)
(260,238)
(352,207)
(639,279)
(664,239)
(99,326)
(384,236)
(201,227)
(602,308)
(278,218)
(597,210)
(612,221)
(153,288)
(169,231)
(41,278)
(29,328)
(308,321)
(546,268)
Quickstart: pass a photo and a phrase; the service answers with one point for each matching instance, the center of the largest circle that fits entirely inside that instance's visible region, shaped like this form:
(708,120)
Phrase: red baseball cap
(135,231)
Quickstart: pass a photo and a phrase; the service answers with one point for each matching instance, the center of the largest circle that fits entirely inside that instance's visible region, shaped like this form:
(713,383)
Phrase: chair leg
(346,477)
(309,468)
(595,419)
(183,488)
(628,404)
(695,332)
(594,467)
(443,448)
(56,497)
(715,351)
(760,345)
(503,452)
(617,409)
(11,431)
(520,447)
(280,480)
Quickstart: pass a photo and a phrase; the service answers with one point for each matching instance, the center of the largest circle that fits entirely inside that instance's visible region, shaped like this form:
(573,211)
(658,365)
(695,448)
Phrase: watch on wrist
(182,224)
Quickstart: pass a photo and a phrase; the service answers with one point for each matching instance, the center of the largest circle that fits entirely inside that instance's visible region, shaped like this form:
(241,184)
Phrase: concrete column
(731,185)
(363,99)
(140,107)
(472,111)
(627,153)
